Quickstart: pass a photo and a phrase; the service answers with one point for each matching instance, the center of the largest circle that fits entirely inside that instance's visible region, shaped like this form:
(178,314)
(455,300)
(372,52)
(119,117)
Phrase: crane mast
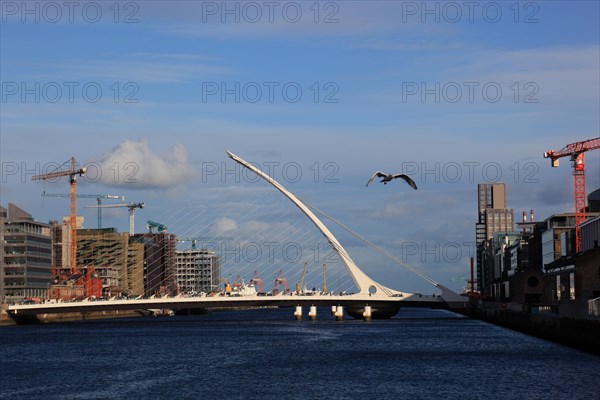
(576,152)
(72,174)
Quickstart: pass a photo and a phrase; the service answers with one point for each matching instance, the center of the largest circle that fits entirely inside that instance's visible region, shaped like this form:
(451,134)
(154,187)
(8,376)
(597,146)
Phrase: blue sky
(385,86)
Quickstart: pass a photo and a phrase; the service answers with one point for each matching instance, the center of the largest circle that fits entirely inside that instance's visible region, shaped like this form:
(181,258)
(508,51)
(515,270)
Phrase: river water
(265,354)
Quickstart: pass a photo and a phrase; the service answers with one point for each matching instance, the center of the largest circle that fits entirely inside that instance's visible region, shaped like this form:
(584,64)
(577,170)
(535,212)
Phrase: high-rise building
(493,218)
(159,262)
(56,234)
(197,270)
(493,214)
(491,195)
(134,280)
(25,256)
(116,259)
(66,239)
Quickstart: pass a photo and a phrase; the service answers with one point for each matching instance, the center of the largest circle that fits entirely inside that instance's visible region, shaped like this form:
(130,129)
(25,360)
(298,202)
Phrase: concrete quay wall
(576,332)
(7,320)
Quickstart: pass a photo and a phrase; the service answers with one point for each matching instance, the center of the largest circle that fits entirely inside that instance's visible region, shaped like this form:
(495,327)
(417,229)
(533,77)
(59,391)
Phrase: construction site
(101,263)
(538,263)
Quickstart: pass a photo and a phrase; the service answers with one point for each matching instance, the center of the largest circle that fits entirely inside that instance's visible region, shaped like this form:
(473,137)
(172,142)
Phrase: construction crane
(159,227)
(131,206)
(98,198)
(279,280)
(72,174)
(239,282)
(256,281)
(191,239)
(300,284)
(207,239)
(576,151)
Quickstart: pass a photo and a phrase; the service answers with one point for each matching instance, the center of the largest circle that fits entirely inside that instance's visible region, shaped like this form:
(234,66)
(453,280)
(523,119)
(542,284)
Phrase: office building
(197,271)
(493,218)
(25,256)
(159,263)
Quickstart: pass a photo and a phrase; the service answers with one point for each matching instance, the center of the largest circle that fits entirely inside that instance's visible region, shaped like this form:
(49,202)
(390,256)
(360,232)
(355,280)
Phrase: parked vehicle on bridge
(32,300)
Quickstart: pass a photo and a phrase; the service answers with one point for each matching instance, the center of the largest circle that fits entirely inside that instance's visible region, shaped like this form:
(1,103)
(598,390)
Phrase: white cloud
(154,68)
(169,71)
(392,210)
(223,226)
(560,72)
(134,164)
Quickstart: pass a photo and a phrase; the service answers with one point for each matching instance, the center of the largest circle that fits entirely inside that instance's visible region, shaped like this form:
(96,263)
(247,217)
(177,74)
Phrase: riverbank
(576,332)
(6,320)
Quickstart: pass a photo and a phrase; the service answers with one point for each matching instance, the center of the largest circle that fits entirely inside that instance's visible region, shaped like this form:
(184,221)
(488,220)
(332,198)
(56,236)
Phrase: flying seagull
(389,177)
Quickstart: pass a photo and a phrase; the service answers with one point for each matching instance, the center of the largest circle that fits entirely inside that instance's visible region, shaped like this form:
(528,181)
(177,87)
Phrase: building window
(572,286)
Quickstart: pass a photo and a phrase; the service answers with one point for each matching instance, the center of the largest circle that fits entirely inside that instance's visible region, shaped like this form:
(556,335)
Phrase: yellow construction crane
(72,174)
(324,278)
(300,284)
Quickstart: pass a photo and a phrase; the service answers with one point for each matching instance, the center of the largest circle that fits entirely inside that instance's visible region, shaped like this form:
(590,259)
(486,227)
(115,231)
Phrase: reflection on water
(266,354)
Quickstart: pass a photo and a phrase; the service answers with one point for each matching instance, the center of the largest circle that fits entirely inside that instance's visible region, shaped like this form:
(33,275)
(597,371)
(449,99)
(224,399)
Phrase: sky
(149,95)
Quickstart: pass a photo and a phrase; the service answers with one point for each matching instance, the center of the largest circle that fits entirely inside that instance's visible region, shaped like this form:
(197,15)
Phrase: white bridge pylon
(363,283)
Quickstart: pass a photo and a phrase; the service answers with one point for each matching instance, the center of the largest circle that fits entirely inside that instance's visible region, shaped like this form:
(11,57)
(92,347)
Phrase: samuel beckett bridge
(370,299)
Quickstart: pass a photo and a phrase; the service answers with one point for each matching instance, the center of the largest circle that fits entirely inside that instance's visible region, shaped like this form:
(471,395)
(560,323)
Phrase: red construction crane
(575,151)
(237,285)
(280,280)
(256,281)
(72,174)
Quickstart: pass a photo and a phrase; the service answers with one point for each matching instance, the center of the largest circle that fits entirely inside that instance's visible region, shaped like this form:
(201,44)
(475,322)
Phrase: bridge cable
(374,246)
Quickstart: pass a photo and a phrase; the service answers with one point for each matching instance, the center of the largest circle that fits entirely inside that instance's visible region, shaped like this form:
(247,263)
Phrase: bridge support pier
(339,313)
(378,310)
(298,313)
(333,310)
(367,313)
(312,314)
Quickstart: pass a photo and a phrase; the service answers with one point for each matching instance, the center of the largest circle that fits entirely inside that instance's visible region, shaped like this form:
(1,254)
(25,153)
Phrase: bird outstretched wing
(375,175)
(407,179)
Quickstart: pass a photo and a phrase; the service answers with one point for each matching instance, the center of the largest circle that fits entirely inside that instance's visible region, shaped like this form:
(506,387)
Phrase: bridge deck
(176,303)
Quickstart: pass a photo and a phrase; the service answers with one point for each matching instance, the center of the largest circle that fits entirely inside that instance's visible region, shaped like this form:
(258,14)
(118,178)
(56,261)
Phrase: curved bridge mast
(361,280)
